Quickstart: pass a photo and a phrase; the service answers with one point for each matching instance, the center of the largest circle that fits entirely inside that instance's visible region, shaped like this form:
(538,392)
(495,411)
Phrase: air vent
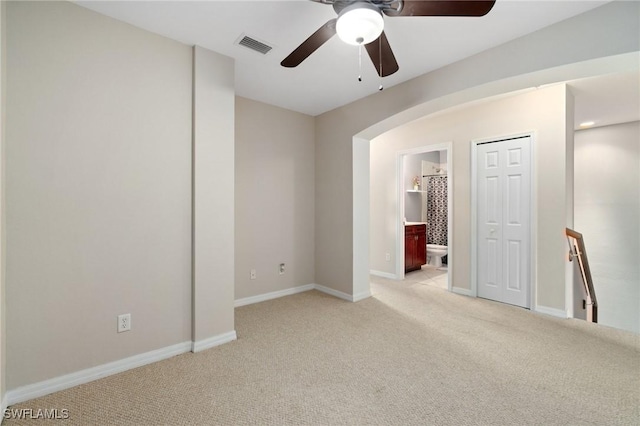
(254,44)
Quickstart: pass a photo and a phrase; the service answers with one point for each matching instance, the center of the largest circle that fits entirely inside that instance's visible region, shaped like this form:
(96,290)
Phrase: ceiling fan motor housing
(340,5)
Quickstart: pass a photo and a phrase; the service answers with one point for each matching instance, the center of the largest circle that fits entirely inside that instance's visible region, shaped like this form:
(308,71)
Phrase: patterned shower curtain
(437,210)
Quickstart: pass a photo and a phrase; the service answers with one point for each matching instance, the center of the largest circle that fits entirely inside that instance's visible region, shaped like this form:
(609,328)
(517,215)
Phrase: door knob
(492,230)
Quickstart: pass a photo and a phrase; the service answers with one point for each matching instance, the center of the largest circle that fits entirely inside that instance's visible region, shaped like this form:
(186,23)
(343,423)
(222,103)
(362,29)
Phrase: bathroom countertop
(414,223)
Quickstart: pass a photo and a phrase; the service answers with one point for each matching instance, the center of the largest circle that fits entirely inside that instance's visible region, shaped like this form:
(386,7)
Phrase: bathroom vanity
(415,246)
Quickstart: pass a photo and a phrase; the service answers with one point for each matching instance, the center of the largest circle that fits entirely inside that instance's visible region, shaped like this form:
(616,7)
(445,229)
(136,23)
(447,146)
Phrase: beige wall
(607,200)
(596,42)
(274,198)
(541,111)
(213,198)
(98,190)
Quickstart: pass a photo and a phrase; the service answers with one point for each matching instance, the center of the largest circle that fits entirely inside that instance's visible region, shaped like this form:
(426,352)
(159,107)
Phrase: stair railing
(577,250)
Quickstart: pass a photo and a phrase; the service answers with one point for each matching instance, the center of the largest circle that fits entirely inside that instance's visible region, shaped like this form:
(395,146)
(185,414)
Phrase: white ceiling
(328,78)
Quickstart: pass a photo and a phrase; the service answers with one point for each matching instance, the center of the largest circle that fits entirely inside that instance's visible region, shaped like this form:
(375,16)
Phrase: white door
(503,218)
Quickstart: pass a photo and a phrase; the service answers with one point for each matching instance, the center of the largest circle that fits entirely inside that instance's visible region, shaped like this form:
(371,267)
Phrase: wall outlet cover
(124,322)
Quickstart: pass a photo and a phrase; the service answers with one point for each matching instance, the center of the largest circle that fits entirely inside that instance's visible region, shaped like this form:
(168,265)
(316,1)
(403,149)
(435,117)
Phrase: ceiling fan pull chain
(360,62)
(380,56)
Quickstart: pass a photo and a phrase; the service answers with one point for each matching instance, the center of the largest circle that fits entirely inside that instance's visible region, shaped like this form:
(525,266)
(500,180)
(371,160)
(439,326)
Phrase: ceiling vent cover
(254,44)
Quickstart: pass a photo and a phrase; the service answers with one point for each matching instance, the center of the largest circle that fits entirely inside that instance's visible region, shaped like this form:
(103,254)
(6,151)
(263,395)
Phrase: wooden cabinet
(415,247)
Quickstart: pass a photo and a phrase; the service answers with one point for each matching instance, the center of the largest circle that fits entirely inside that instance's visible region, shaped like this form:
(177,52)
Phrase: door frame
(400,193)
(531,302)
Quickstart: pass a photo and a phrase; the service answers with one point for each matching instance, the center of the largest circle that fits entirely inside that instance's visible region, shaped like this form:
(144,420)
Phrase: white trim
(334,293)
(533,225)
(474,219)
(551,311)
(532,211)
(211,342)
(67,381)
(383,274)
(273,295)
(399,215)
(361,296)
(295,290)
(462,291)
(450,204)
(339,294)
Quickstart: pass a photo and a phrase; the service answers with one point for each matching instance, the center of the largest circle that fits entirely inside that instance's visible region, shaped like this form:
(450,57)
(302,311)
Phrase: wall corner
(3,57)
(213,182)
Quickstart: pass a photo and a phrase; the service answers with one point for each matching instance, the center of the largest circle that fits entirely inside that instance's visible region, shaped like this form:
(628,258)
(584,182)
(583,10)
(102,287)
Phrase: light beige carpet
(413,354)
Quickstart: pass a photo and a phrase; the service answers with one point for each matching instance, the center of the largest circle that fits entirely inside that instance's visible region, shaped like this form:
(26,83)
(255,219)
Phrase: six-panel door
(503,209)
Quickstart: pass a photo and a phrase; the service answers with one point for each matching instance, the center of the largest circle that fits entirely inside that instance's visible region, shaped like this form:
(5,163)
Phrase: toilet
(435,253)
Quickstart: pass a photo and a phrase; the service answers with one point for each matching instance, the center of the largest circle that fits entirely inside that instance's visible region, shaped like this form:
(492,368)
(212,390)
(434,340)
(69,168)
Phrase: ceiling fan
(360,22)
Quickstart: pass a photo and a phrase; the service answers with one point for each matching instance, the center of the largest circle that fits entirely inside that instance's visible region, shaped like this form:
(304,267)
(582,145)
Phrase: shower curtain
(437,210)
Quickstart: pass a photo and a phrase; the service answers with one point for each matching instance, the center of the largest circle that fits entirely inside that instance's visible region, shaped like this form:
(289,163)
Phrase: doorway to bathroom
(424,187)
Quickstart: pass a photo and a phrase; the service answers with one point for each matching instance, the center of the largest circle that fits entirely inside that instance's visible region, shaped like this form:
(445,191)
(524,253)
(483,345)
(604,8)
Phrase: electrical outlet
(387,257)
(281,268)
(124,322)
(252,274)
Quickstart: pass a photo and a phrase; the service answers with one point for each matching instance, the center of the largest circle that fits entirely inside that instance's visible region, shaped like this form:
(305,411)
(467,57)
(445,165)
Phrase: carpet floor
(413,354)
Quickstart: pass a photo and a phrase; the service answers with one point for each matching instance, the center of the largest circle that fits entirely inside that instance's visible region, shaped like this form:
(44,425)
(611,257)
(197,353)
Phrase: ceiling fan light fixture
(360,23)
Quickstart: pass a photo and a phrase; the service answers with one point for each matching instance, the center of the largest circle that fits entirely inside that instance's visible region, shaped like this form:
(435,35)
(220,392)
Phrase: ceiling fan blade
(310,45)
(441,8)
(375,48)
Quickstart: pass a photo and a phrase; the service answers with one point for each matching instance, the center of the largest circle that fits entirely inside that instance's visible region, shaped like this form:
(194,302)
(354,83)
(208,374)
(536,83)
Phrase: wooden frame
(577,250)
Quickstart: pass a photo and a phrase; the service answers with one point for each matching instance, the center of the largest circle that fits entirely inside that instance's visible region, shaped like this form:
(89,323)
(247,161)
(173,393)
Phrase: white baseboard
(334,293)
(211,342)
(273,295)
(355,298)
(67,381)
(383,274)
(295,290)
(551,311)
(462,291)
(361,296)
